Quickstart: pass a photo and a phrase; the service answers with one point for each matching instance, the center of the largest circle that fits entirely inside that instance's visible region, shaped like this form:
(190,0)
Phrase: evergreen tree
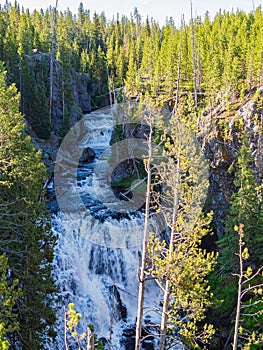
(226,53)
(131,81)
(246,206)
(182,267)
(250,284)
(245,214)
(9,293)
(149,118)
(227,57)
(39,116)
(24,223)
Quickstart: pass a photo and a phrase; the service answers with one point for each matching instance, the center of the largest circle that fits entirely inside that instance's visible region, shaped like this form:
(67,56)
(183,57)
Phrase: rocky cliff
(220,127)
(220,133)
(73,95)
(222,140)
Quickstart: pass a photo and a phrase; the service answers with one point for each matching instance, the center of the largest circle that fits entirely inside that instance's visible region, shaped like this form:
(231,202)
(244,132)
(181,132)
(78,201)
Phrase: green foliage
(245,208)
(65,124)
(72,321)
(141,55)
(249,311)
(183,263)
(39,111)
(24,223)
(152,62)
(9,293)
(246,205)
(224,291)
(34,100)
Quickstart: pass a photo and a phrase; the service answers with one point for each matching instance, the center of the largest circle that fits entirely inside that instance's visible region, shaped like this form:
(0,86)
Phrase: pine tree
(39,116)
(25,234)
(142,273)
(246,204)
(9,293)
(250,284)
(120,67)
(130,81)
(246,217)
(181,266)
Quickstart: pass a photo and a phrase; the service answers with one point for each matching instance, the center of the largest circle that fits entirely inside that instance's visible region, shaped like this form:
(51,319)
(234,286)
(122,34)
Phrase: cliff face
(72,92)
(73,95)
(221,130)
(222,143)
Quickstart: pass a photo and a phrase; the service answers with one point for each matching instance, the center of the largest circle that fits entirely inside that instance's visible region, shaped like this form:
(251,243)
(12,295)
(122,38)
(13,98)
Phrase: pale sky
(158,9)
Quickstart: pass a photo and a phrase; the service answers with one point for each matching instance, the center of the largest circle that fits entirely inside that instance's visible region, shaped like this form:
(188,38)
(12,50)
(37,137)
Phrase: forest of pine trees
(26,239)
(143,56)
(191,69)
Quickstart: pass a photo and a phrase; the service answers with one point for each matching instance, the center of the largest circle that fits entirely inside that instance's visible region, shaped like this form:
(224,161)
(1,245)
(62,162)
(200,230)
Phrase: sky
(158,9)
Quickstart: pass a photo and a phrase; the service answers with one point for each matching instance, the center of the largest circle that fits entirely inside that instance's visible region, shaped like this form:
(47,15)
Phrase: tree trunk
(109,85)
(52,59)
(240,277)
(194,61)
(65,329)
(178,70)
(21,86)
(171,248)
(90,340)
(251,71)
(63,94)
(144,247)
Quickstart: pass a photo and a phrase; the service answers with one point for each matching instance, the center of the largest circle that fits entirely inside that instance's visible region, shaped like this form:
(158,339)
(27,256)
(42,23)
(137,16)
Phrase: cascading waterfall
(96,259)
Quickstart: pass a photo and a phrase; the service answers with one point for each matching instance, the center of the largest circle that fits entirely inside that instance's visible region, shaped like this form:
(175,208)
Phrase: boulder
(88,155)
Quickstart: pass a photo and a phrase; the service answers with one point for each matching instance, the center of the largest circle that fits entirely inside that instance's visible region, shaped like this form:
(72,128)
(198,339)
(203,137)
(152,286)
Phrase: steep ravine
(72,90)
(96,256)
(220,134)
(222,143)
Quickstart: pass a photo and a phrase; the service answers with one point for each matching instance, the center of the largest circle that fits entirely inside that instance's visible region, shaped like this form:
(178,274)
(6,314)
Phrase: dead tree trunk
(144,244)
(194,61)
(109,85)
(240,278)
(52,59)
(250,83)
(178,70)
(65,329)
(90,340)
(176,195)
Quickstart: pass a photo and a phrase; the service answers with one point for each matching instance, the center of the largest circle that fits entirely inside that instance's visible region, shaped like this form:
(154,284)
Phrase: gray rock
(88,155)
(222,153)
(80,88)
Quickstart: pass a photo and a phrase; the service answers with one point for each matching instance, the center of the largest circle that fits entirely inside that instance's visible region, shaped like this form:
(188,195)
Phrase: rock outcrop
(222,142)
(74,88)
(73,95)
(220,135)
(88,155)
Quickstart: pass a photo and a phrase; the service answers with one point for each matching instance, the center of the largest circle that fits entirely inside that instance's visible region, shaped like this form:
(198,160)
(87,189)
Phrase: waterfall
(96,258)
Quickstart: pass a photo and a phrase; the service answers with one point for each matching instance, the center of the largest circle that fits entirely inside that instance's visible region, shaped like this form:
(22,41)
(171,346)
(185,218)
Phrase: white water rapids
(96,259)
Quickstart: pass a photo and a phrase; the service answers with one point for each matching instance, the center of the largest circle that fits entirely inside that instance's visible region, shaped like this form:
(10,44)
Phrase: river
(96,258)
